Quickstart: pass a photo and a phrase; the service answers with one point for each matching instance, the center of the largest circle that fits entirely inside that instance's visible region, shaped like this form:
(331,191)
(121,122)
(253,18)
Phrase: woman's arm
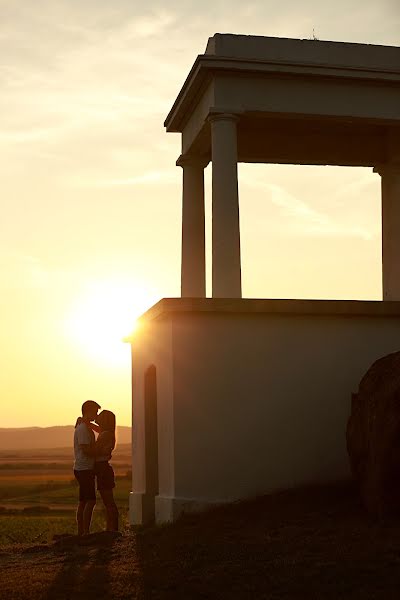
(94,427)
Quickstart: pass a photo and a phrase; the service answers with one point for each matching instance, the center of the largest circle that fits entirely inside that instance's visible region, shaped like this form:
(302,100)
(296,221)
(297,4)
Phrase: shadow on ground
(310,543)
(84,571)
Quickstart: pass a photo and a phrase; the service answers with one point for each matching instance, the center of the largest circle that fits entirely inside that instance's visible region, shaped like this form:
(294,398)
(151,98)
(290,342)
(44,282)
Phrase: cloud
(304,219)
(70,69)
(149,178)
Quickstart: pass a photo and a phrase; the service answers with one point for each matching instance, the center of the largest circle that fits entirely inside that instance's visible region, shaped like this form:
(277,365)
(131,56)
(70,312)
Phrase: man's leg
(87,515)
(79,516)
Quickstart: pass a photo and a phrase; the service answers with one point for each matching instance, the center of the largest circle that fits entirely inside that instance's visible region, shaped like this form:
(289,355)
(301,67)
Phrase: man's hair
(89,405)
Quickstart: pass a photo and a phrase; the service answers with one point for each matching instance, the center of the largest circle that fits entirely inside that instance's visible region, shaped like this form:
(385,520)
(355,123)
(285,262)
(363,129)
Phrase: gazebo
(236,397)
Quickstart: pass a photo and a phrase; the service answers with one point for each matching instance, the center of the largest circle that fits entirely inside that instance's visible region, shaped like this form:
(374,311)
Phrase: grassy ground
(34,512)
(25,528)
(38,494)
(308,544)
(54,493)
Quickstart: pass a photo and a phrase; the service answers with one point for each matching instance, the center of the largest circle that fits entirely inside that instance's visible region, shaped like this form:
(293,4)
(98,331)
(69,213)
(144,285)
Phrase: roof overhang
(264,57)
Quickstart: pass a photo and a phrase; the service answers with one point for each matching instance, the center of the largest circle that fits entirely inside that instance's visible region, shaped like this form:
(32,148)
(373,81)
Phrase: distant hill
(47,437)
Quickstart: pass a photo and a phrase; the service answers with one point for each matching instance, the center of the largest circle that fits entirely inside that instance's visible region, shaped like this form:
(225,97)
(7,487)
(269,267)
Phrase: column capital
(390,168)
(222,116)
(192,160)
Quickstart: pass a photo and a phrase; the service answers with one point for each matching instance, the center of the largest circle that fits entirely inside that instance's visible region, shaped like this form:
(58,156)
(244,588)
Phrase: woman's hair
(108,423)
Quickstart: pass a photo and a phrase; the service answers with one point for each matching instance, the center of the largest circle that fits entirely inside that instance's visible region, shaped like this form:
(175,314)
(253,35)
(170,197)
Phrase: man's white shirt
(82,435)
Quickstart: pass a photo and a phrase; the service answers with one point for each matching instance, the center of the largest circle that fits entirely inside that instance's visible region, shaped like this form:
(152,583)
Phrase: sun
(104,314)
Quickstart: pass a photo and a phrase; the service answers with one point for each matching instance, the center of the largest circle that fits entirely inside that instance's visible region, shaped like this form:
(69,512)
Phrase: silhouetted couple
(92,458)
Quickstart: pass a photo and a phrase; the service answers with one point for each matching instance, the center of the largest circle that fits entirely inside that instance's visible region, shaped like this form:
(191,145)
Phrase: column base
(168,509)
(141,508)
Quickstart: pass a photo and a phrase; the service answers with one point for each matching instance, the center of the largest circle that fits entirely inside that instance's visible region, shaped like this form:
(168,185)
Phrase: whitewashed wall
(249,403)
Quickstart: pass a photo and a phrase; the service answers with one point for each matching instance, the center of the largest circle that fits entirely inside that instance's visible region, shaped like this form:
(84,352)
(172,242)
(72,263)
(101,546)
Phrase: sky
(90,196)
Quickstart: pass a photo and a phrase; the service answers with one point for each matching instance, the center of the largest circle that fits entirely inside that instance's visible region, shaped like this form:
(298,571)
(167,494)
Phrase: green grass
(54,492)
(27,529)
(19,528)
(69,494)
(15,488)
(48,486)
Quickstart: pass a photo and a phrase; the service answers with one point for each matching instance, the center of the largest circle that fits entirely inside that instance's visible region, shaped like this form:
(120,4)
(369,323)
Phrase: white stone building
(238,397)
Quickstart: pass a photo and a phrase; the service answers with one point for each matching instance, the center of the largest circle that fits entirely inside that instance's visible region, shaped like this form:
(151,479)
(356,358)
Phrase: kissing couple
(92,458)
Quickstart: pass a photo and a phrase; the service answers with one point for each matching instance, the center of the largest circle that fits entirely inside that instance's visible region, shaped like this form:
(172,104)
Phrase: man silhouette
(84,441)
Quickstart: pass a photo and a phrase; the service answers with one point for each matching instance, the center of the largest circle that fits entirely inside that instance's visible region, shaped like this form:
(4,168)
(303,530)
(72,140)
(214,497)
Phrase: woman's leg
(111,509)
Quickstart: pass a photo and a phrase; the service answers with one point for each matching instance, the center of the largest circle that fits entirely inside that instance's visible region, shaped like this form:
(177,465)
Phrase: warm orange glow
(104,315)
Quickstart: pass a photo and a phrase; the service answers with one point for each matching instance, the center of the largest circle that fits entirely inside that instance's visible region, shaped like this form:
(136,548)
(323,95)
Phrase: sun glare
(104,315)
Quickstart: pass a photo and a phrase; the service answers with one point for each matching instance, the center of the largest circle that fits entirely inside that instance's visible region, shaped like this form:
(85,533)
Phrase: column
(390,175)
(193,266)
(226,269)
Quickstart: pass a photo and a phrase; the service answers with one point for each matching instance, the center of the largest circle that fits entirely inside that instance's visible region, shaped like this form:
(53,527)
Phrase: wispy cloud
(149,178)
(70,69)
(304,219)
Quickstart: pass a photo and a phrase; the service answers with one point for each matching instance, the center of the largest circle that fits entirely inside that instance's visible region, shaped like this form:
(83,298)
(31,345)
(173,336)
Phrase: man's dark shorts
(86,480)
(105,476)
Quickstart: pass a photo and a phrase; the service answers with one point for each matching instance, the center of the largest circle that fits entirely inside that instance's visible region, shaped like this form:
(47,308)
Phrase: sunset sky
(91,197)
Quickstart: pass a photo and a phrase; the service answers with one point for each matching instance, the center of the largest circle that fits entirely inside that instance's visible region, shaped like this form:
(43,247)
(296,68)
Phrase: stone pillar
(193,266)
(226,270)
(390,174)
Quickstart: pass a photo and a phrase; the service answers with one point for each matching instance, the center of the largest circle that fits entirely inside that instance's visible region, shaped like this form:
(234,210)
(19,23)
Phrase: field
(38,494)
